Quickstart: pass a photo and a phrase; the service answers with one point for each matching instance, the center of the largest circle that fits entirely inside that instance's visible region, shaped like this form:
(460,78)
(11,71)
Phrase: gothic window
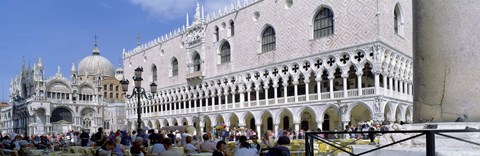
(174,67)
(323,23)
(397,19)
(232,28)
(268,39)
(216,33)
(154,72)
(86,123)
(111,87)
(197,62)
(225,53)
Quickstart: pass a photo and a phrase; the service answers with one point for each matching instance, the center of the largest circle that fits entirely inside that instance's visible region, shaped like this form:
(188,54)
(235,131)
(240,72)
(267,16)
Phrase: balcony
(195,75)
(253,103)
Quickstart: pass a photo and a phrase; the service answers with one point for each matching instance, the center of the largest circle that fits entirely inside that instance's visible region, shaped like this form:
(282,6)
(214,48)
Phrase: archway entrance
(331,119)
(61,120)
(360,113)
(307,120)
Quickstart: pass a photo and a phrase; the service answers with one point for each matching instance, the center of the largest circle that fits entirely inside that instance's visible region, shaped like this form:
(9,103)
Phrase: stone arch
(184,121)
(62,113)
(330,117)
(388,110)
(248,118)
(359,112)
(149,124)
(158,124)
(165,122)
(207,124)
(399,114)
(307,118)
(285,118)
(409,114)
(267,120)
(219,120)
(234,121)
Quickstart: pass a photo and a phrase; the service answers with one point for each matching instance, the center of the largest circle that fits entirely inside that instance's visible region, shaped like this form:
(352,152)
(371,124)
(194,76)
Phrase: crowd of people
(164,142)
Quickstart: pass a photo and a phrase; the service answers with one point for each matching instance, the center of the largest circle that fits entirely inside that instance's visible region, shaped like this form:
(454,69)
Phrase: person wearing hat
(24,151)
(280,149)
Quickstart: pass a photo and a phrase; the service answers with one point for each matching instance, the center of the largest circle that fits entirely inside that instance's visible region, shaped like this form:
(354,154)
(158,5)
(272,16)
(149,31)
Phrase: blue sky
(61,31)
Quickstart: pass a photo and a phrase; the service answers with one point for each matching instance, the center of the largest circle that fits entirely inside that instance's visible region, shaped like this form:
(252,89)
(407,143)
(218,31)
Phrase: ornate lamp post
(138,91)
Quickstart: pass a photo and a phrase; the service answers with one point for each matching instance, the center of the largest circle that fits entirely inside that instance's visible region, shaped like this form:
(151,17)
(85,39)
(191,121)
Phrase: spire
(73,67)
(138,39)
(95,50)
(197,14)
(40,62)
(188,23)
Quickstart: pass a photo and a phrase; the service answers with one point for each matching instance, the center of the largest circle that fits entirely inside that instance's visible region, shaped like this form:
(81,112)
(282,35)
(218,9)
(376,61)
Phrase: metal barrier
(429,133)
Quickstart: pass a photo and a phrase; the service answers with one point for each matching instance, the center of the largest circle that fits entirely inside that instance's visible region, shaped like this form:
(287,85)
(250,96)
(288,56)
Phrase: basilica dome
(96,64)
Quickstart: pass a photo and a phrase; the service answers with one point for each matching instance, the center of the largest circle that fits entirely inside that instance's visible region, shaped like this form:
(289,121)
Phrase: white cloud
(177,9)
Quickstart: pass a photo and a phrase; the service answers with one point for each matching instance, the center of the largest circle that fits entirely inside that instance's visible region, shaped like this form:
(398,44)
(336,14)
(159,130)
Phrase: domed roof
(96,64)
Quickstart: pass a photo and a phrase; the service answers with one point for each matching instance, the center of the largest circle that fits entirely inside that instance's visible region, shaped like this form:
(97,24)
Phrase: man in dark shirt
(84,138)
(99,137)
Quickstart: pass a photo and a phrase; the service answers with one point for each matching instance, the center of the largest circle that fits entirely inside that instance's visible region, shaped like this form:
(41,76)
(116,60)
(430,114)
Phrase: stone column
(319,86)
(285,87)
(295,89)
(445,56)
(241,91)
(249,96)
(320,125)
(345,77)
(259,130)
(376,83)
(359,83)
(297,129)
(276,130)
(265,88)
(307,94)
(257,93)
(330,79)
(275,92)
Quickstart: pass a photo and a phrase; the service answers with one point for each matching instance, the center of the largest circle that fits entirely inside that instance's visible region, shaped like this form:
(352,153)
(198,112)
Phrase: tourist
(255,144)
(134,135)
(189,147)
(98,137)
(245,150)
(170,151)
(266,141)
(106,149)
(207,145)
(24,150)
(280,149)
(84,138)
(119,149)
(136,149)
(157,146)
(221,149)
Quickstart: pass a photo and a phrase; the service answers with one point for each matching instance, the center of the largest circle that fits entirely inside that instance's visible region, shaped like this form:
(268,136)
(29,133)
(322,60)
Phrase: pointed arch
(154,72)
(174,66)
(268,39)
(323,22)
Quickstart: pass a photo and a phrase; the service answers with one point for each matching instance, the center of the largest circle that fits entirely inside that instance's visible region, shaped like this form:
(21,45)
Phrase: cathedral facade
(280,64)
(90,97)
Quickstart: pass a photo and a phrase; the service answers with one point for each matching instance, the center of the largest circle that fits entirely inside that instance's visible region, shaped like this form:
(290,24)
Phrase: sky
(62,32)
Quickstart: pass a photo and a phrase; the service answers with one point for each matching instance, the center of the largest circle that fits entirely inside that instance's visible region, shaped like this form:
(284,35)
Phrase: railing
(302,98)
(368,91)
(325,95)
(352,92)
(313,96)
(429,136)
(338,94)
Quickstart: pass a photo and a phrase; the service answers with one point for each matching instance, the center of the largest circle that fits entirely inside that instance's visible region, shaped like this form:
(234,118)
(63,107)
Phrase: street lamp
(138,91)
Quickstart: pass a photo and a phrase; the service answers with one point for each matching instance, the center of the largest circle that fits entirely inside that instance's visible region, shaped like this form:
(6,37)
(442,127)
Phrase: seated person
(157,146)
(189,147)
(106,149)
(136,149)
(221,149)
(170,151)
(207,145)
(280,149)
(245,150)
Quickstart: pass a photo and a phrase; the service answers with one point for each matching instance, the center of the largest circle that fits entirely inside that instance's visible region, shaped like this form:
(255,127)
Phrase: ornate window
(225,53)
(268,39)
(111,87)
(323,23)
(174,67)
(154,72)
(87,123)
(197,62)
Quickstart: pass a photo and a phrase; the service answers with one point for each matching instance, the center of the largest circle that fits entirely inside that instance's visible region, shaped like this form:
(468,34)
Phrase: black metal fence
(430,139)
